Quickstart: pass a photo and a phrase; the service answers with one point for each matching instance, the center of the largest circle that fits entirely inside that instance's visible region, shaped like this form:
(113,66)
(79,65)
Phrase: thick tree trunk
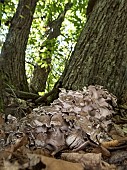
(100,56)
(13,51)
(1,88)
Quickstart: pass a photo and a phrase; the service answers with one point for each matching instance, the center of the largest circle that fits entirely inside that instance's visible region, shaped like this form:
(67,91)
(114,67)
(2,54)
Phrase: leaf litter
(75,132)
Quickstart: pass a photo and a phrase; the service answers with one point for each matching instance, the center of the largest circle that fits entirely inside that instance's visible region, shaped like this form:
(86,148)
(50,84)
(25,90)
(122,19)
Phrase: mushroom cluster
(74,120)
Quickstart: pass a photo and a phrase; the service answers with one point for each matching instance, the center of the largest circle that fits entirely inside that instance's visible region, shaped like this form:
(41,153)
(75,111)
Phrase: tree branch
(23,95)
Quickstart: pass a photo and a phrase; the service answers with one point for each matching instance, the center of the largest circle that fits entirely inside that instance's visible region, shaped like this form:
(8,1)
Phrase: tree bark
(13,50)
(100,56)
(1,88)
(23,95)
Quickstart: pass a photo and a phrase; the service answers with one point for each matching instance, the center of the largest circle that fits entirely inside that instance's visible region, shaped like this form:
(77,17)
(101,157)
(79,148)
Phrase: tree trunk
(100,56)
(13,51)
(40,75)
(1,89)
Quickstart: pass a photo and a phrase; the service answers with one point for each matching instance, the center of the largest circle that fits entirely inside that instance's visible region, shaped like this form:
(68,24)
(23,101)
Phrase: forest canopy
(57,49)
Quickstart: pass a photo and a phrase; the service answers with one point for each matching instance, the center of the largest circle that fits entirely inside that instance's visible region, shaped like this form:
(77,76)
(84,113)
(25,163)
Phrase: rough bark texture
(100,56)
(38,81)
(13,51)
(1,88)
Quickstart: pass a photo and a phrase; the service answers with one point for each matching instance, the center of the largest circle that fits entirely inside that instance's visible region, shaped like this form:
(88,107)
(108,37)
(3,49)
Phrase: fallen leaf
(55,164)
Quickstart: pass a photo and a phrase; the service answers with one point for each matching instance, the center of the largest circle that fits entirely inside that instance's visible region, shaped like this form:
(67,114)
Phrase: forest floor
(81,130)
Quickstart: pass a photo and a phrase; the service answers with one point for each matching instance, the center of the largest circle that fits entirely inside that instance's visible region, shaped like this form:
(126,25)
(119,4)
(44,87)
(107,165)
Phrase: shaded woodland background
(35,64)
(40,43)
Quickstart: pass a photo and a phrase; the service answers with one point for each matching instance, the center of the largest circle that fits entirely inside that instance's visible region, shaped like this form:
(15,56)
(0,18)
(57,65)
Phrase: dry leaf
(55,164)
(90,161)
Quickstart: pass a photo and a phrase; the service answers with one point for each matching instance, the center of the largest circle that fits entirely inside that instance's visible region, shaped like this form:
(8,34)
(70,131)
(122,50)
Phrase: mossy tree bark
(13,50)
(100,56)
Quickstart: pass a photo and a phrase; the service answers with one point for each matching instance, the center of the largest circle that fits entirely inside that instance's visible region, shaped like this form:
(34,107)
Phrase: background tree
(13,50)
(100,56)
(44,44)
(42,70)
(54,32)
(51,39)
(12,61)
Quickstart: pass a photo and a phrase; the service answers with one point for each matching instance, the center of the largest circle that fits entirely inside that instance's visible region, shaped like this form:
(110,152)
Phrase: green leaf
(21,16)
(27,6)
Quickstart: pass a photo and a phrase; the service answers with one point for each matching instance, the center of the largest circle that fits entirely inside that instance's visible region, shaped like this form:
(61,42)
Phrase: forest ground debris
(78,121)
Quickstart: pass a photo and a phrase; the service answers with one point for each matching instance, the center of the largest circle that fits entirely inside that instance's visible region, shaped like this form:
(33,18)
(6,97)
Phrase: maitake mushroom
(74,120)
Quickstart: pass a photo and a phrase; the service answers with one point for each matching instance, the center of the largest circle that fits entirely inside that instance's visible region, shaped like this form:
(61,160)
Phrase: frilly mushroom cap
(62,122)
